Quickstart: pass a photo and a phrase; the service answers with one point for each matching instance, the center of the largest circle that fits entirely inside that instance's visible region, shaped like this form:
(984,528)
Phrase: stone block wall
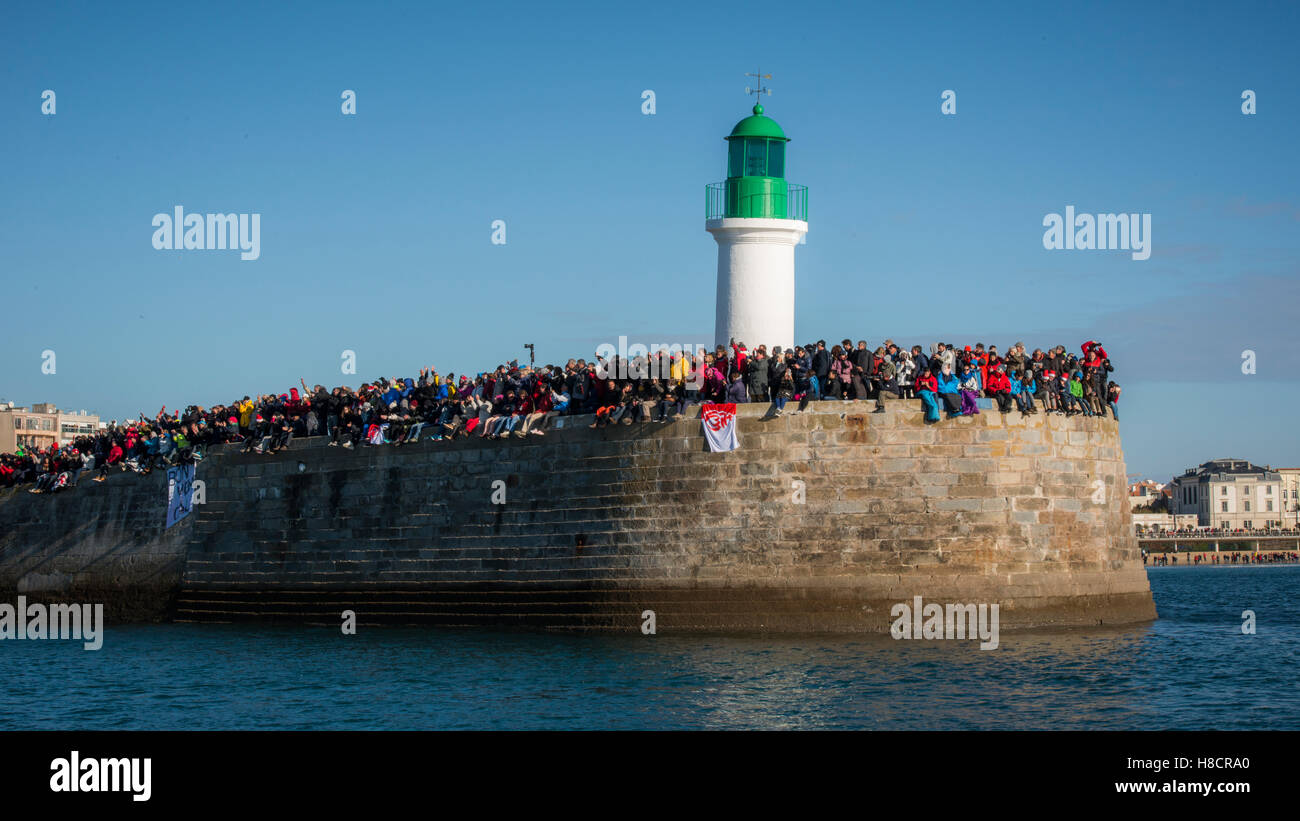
(97,542)
(599,526)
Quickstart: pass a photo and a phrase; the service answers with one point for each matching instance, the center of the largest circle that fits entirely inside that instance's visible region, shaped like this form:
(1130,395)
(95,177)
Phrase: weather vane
(760,90)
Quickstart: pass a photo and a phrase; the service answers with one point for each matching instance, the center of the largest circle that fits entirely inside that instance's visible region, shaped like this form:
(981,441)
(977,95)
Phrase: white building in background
(1230,493)
(41,425)
(1162,521)
(1290,495)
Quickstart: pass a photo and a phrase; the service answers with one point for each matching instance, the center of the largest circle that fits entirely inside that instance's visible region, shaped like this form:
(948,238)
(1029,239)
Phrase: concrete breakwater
(99,543)
(822,521)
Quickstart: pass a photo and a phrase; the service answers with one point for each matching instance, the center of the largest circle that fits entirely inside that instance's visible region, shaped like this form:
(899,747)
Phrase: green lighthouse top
(756,187)
(758,125)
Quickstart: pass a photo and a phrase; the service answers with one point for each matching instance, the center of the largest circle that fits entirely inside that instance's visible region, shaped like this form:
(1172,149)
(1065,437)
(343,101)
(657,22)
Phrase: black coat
(821,364)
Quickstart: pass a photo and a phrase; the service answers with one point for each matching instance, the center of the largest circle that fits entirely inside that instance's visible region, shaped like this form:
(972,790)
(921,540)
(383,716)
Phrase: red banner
(720,426)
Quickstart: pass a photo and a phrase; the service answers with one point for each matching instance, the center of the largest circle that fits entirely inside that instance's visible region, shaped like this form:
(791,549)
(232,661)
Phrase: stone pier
(819,523)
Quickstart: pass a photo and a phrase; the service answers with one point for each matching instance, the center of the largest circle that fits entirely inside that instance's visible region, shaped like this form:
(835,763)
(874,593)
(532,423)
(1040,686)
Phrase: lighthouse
(757,218)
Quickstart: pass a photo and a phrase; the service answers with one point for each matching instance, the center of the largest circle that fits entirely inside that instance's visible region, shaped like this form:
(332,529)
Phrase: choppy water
(1192,669)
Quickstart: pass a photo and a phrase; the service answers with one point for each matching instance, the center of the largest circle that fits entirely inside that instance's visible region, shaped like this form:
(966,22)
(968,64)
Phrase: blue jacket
(737,393)
(948,383)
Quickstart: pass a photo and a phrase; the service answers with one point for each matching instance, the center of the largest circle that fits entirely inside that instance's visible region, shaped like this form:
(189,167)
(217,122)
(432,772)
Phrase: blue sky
(376,228)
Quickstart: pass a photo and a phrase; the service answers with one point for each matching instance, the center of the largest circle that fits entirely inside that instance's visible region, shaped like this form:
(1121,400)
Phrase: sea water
(1194,668)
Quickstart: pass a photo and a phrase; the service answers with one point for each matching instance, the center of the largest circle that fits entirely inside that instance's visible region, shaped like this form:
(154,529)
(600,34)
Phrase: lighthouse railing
(715,200)
(796,204)
(716,205)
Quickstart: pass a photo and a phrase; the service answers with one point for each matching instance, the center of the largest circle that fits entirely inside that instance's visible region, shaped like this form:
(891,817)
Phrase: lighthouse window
(776,159)
(736,158)
(755,158)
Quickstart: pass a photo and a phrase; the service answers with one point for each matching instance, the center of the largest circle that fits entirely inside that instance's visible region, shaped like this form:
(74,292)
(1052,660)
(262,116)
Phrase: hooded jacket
(736,392)
(998,382)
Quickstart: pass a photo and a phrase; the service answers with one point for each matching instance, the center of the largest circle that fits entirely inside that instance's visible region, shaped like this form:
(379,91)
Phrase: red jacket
(927,382)
(998,382)
(1091,346)
(738,355)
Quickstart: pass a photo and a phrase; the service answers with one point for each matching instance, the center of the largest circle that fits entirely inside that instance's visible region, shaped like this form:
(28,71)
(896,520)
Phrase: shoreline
(1189,559)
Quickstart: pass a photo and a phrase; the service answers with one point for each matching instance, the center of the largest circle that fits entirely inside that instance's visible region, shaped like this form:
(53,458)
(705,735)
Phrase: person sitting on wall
(906,376)
(1027,389)
(607,407)
(629,408)
(969,382)
(1076,394)
(999,387)
(949,389)
(840,375)
(926,388)
(674,397)
(113,458)
(886,380)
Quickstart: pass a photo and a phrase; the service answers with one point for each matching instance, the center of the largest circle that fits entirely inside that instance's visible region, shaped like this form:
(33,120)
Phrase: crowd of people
(1156,532)
(1169,533)
(1236,557)
(521,401)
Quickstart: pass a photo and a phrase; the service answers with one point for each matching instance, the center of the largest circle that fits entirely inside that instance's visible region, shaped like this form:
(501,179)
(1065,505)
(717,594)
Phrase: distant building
(1145,523)
(1145,493)
(41,425)
(1290,494)
(1229,493)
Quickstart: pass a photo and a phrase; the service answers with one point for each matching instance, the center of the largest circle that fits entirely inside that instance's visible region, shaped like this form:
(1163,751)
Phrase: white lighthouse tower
(757,218)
